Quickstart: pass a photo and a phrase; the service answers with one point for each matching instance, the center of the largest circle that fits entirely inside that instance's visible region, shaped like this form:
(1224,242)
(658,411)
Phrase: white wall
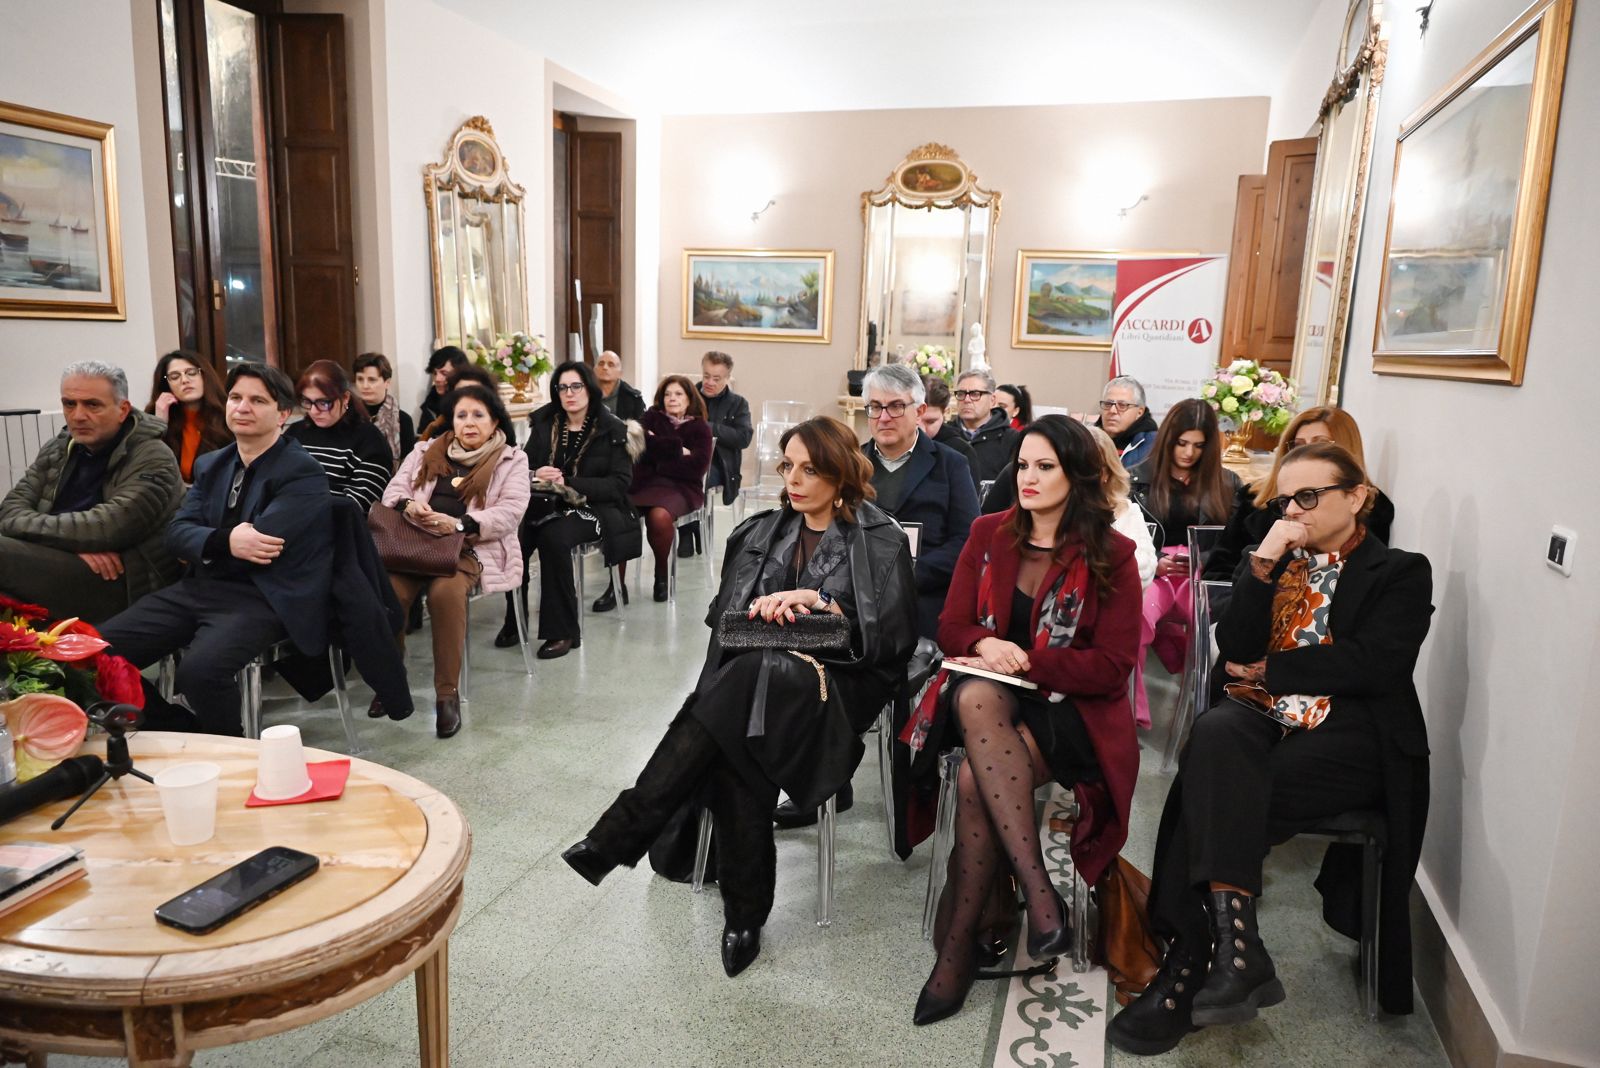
(1509,679)
(1305,79)
(103,89)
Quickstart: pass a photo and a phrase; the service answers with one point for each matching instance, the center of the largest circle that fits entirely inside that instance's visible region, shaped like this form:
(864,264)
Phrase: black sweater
(354,455)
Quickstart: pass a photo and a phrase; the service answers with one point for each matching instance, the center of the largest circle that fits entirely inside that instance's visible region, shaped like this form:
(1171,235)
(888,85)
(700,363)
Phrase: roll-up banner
(1167,326)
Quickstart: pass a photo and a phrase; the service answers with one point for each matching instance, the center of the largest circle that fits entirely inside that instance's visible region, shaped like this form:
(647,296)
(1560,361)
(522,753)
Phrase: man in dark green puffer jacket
(82,532)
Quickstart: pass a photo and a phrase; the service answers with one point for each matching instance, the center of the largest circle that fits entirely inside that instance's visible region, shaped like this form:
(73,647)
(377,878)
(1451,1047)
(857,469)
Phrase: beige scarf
(445,451)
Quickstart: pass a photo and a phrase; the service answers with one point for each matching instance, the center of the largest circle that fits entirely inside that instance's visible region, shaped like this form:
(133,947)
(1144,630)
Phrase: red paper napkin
(327,782)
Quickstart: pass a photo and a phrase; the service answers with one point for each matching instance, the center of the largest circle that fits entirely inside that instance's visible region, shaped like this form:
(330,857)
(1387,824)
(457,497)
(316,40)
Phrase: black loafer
(508,635)
(447,711)
(606,602)
(587,860)
(740,947)
(660,589)
(788,817)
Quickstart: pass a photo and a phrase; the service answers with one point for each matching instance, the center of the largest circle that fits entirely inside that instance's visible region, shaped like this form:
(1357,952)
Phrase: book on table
(32,869)
(973,665)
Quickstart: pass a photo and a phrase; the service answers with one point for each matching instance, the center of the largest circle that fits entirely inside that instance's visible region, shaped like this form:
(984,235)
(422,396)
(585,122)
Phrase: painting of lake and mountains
(49,234)
(761,296)
(1069,302)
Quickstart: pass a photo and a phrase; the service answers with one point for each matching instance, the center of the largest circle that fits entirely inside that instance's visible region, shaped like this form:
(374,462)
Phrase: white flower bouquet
(1245,395)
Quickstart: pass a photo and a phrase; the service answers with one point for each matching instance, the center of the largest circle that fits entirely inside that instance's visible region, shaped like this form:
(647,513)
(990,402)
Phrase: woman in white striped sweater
(337,431)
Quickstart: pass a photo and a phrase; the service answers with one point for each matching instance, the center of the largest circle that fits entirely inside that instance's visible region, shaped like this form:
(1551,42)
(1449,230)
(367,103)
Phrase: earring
(837,503)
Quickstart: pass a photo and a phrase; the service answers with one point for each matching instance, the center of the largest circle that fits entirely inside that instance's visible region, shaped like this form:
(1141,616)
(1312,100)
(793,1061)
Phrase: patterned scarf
(1302,606)
(387,419)
(481,462)
(1059,613)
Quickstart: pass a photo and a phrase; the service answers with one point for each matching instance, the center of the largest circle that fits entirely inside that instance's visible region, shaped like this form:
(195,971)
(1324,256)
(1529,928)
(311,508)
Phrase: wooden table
(87,969)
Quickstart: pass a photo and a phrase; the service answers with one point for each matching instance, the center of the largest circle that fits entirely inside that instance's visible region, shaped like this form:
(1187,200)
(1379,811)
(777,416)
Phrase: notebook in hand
(973,665)
(32,869)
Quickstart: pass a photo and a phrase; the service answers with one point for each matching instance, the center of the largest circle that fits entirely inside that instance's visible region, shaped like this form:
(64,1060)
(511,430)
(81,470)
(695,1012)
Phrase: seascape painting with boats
(49,236)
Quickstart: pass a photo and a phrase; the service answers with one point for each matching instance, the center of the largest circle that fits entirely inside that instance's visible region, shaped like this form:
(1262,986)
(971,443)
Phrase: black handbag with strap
(817,632)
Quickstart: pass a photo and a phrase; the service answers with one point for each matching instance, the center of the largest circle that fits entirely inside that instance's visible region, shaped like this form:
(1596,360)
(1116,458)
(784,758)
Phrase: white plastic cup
(189,799)
(281,767)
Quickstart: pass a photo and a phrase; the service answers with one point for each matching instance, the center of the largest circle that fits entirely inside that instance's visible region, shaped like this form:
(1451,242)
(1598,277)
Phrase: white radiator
(23,433)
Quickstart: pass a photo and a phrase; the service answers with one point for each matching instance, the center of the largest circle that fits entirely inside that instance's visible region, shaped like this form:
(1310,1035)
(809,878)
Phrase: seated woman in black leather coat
(762,720)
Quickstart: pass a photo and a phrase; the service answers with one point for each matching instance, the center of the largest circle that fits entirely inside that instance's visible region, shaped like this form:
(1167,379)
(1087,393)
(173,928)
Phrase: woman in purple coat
(669,479)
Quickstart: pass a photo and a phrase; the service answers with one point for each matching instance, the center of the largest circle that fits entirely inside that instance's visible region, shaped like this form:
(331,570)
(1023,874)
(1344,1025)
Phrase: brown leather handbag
(1128,947)
(407,549)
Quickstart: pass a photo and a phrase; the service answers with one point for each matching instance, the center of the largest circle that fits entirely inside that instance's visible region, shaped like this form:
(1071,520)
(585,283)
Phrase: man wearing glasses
(256,532)
(1124,416)
(986,427)
(81,532)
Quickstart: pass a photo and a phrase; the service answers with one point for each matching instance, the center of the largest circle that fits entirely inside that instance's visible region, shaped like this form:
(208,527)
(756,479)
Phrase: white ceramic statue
(976,348)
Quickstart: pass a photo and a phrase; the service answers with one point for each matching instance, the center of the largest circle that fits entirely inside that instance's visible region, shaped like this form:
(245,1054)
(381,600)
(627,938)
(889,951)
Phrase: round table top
(391,850)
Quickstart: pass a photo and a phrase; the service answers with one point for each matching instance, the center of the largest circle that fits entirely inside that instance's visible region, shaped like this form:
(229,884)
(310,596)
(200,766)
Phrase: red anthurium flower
(15,639)
(117,680)
(78,626)
(60,645)
(22,608)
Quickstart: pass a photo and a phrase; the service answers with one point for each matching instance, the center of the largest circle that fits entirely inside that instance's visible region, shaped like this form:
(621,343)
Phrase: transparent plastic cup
(281,767)
(189,799)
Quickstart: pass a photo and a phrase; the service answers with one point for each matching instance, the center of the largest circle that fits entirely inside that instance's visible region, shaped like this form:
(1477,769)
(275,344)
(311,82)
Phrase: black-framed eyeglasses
(895,409)
(238,484)
(970,394)
(1117,406)
(321,404)
(571,387)
(1307,498)
(179,376)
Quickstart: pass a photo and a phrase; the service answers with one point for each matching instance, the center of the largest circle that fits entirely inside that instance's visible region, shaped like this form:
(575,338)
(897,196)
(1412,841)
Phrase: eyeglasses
(1307,498)
(322,404)
(179,376)
(570,387)
(1117,406)
(895,409)
(970,394)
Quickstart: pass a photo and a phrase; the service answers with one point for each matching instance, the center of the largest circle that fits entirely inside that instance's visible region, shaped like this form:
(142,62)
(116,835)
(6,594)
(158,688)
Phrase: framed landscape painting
(1466,216)
(758,294)
(60,246)
(1064,300)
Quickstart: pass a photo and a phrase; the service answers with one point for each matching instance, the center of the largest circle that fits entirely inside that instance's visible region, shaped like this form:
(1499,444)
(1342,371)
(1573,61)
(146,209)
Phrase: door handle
(217,298)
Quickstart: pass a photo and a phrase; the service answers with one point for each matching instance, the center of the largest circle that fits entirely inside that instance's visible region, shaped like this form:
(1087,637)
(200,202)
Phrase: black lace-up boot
(1159,1018)
(1242,977)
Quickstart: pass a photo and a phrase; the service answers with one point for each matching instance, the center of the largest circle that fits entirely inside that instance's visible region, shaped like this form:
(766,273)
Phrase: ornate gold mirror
(926,258)
(475,238)
(1338,200)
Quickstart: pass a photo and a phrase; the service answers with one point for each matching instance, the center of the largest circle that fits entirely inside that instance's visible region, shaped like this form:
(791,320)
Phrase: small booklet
(973,665)
(32,869)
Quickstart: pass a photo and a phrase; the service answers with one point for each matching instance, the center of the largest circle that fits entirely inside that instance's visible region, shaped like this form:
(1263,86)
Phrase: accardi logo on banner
(1165,327)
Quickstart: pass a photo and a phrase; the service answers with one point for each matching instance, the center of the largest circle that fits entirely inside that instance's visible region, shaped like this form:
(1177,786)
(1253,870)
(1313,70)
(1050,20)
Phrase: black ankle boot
(740,947)
(1160,1017)
(587,860)
(1242,977)
(659,590)
(608,600)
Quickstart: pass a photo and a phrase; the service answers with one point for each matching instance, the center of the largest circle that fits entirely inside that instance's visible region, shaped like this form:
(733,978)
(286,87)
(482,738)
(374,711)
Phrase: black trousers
(59,580)
(1243,787)
(687,763)
(554,540)
(223,625)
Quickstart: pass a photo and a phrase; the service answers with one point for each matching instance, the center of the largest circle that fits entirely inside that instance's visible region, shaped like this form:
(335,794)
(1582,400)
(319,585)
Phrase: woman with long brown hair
(1047,593)
(765,719)
(1181,484)
(185,381)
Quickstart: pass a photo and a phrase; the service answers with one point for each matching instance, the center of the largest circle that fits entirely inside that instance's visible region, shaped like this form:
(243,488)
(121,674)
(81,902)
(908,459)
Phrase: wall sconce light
(755,216)
(1425,12)
(1122,213)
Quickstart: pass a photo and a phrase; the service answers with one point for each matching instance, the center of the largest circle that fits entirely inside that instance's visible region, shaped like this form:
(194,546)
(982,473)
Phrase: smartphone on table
(231,894)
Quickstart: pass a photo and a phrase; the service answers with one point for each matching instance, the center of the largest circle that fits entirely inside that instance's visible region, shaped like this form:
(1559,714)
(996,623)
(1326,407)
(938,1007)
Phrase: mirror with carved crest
(475,240)
(1338,201)
(927,257)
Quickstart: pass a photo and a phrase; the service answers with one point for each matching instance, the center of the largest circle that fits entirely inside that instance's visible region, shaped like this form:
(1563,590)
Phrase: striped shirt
(355,457)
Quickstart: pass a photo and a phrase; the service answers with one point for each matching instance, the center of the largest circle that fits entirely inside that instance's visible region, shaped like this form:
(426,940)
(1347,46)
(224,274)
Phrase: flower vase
(1237,437)
(522,388)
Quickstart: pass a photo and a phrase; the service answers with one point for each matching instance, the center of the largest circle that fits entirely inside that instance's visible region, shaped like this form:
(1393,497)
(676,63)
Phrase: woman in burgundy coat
(669,479)
(1049,592)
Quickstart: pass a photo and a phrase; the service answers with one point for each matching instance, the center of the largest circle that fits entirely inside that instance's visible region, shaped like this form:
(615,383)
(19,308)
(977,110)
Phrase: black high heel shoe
(1044,944)
(740,947)
(659,590)
(586,859)
(931,1008)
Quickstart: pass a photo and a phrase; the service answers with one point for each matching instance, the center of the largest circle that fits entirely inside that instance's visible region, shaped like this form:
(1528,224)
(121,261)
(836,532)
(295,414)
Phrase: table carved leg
(433,1008)
(15,1053)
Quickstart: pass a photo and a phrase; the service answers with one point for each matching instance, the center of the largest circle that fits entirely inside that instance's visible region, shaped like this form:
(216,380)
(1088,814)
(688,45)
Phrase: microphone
(68,779)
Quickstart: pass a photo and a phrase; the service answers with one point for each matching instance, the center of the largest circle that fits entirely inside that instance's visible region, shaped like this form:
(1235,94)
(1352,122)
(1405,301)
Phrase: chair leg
(520,612)
(944,828)
(466,657)
(886,771)
(827,819)
(708,539)
(250,698)
(617,585)
(1182,720)
(1371,879)
(167,676)
(702,851)
(336,667)
(672,568)
(1080,922)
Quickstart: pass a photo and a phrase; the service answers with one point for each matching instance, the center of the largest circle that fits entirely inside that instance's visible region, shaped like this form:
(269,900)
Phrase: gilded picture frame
(1467,211)
(1064,300)
(732,294)
(60,233)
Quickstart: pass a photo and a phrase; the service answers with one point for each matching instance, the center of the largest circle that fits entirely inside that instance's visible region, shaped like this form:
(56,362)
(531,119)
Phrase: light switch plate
(1558,553)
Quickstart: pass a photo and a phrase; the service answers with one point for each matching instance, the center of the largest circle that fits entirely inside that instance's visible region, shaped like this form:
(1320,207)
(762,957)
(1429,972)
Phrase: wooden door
(1291,166)
(311,157)
(1243,256)
(595,160)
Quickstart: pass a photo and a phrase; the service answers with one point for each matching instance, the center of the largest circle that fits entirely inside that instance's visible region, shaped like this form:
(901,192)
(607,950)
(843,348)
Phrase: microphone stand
(115,720)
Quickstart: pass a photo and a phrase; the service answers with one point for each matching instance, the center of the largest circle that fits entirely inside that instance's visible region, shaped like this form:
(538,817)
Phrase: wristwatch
(824,602)
(461,526)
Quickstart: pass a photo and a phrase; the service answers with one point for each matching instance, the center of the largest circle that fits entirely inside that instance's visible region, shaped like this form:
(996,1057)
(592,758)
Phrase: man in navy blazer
(255,531)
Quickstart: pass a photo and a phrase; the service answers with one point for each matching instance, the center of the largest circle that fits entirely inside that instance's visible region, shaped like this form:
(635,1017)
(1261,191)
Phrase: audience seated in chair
(616,395)
(579,451)
(440,366)
(1321,717)
(187,396)
(761,720)
(1016,402)
(1181,484)
(373,373)
(256,533)
(1252,517)
(339,435)
(82,532)
(469,480)
(936,426)
(984,424)
(669,479)
(1047,591)
(731,431)
(1124,416)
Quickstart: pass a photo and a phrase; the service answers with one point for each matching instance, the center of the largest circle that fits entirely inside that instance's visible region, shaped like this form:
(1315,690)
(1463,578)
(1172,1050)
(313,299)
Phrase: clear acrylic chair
(1194,690)
(520,611)
(249,678)
(786,412)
